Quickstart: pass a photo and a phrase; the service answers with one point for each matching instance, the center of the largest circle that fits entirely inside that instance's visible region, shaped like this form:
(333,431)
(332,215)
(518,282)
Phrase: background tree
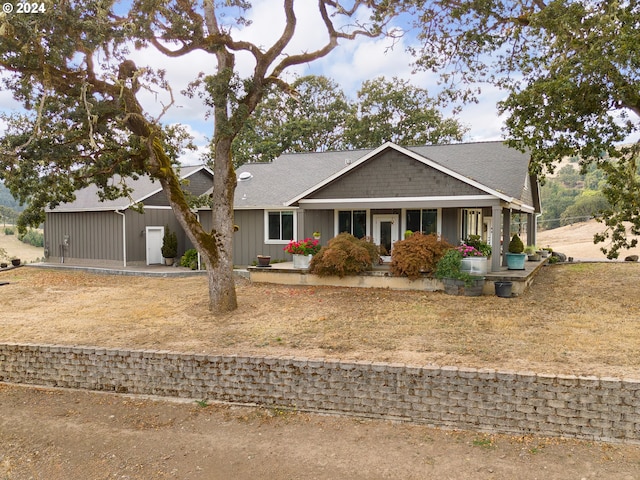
(85,123)
(397,111)
(309,118)
(572,70)
(317,116)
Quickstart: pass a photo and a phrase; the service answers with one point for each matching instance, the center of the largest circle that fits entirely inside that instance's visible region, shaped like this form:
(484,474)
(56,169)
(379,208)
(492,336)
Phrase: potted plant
(473,260)
(515,255)
(169,246)
(476,241)
(532,254)
(264,261)
(457,282)
(302,251)
(316,235)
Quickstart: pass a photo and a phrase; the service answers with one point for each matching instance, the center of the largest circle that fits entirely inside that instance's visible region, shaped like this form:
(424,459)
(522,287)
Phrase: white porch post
(496,213)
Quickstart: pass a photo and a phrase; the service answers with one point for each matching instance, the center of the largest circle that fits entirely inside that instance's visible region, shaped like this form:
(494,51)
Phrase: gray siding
(318,221)
(393,174)
(451,225)
(196,184)
(136,227)
(92,236)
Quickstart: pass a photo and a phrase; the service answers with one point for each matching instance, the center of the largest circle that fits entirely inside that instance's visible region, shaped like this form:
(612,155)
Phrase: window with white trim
(279,225)
(425,221)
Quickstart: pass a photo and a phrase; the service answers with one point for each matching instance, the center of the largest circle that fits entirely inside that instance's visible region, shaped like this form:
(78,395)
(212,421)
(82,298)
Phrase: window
(425,221)
(353,222)
(471,222)
(280,225)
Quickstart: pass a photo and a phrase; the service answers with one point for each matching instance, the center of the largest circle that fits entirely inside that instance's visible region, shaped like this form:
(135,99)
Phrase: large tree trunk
(215,247)
(222,293)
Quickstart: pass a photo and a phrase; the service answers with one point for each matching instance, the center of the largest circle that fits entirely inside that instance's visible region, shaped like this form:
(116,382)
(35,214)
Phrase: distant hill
(7,200)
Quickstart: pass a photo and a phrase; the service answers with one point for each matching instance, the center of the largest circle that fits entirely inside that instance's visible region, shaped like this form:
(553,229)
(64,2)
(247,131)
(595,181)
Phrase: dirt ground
(56,435)
(579,319)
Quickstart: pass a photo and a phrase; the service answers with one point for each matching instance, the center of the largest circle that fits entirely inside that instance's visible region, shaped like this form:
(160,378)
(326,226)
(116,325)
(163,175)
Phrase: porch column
(506,233)
(532,229)
(496,226)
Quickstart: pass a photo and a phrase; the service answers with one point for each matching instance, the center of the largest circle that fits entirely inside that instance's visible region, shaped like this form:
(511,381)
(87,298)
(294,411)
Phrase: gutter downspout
(124,237)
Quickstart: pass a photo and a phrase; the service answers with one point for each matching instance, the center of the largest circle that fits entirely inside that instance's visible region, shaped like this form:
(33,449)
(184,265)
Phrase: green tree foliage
(572,68)
(588,204)
(309,118)
(317,116)
(84,123)
(396,111)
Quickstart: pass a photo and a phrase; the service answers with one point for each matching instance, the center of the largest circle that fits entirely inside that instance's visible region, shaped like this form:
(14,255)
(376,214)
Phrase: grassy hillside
(16,248)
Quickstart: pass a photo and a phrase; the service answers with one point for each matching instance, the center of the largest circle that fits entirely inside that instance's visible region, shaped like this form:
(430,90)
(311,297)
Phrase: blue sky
(349,65)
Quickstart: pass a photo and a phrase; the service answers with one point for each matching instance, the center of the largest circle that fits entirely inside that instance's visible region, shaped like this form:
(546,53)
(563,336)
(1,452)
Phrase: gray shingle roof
(87,198)
(272,185)
(492,164)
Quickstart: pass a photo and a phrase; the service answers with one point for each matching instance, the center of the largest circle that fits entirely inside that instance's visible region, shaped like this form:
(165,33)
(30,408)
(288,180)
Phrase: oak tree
(84,121)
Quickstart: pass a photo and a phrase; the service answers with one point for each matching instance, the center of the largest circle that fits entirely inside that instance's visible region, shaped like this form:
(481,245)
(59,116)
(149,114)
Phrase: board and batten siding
(93,236)
(249,240)
(136,232)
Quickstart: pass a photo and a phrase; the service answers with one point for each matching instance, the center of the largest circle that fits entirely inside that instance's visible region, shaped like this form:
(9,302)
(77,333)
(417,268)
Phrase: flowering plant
(469,251)
(308,246)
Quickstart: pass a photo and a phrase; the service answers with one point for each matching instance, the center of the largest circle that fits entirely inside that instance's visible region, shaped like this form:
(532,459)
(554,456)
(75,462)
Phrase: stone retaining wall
(604,409)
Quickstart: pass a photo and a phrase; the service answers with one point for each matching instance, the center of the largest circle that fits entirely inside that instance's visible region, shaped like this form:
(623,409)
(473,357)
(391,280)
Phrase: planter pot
(301,261)
(504,289)
(515,261)
(3,265)
(264,260)
(453,286)
(168,261)
(15,262)
(534,257)
(476,266)
(544,253)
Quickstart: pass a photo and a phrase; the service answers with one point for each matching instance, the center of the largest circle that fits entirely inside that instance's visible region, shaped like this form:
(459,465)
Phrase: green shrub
(190,259)
(32,237)
(516,245)
(344,255)
(9,231)
(417,254)
(450,266)
(169,243)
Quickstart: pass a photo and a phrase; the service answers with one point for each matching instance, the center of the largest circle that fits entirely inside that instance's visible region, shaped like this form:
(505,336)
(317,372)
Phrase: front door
(154,237)
(385,230)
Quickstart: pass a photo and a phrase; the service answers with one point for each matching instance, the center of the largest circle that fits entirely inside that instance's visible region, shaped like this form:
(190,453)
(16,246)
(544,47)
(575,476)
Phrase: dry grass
(15,248)
(580,319)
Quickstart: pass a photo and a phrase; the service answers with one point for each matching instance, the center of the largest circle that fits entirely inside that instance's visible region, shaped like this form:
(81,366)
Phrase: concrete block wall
(594,408)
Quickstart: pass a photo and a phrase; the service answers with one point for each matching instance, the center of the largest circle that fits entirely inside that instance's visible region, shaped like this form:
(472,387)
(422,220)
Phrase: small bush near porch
(417,254)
